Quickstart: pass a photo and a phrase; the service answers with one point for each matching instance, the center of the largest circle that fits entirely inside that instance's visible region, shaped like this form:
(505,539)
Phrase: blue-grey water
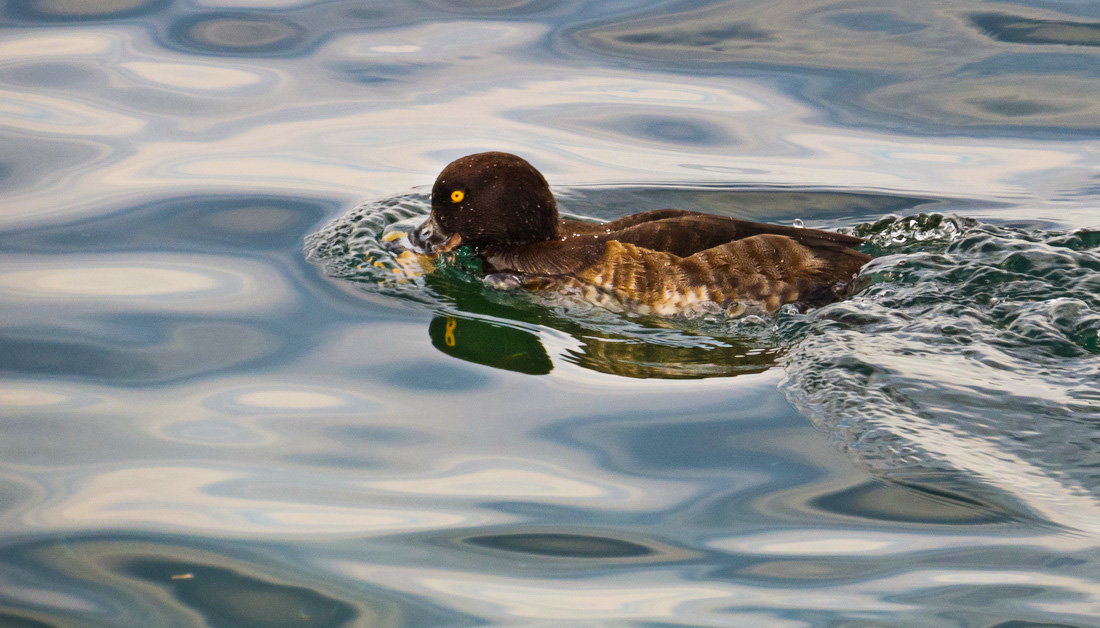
(224,403)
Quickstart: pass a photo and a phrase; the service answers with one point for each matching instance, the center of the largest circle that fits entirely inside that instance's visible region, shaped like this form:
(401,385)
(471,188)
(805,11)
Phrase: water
(216,412)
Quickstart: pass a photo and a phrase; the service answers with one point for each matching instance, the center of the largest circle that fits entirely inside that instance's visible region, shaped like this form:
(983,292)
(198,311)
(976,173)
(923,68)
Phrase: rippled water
(218,410)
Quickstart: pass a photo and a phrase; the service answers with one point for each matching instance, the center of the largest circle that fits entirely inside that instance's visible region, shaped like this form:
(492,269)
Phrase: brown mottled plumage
(664,261)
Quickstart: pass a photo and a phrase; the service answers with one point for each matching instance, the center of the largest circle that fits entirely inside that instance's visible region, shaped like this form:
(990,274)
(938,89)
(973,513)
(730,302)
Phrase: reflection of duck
(491,344)
(508,347)
(665,261)
(651,360)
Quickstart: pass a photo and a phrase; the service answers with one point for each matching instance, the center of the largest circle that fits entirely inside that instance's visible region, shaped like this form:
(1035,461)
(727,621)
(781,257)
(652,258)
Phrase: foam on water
(970,360)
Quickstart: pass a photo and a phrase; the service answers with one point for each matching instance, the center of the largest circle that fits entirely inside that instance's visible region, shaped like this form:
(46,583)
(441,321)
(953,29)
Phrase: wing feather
(684,233)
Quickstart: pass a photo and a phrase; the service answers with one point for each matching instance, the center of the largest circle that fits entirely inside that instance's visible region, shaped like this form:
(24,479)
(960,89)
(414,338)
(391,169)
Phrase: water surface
(215,413)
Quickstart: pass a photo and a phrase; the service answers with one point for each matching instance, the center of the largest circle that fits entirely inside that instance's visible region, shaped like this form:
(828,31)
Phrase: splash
(969,359)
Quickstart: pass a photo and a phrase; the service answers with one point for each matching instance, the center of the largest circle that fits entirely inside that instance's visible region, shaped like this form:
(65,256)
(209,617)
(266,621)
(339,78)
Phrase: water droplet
(798,223)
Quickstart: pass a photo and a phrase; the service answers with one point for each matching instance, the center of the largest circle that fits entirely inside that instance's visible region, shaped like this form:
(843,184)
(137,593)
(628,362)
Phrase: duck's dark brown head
(489,200)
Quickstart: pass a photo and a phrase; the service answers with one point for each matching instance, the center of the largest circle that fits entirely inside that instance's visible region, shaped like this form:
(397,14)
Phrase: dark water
(216,409)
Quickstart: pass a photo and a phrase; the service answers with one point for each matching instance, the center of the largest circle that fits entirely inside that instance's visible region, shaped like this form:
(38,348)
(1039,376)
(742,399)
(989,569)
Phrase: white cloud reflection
(836,543)
(51,44)
(192,76)
(53,114)
(648,593)
(160,281)
(355,143)
(511,479)
(197,500)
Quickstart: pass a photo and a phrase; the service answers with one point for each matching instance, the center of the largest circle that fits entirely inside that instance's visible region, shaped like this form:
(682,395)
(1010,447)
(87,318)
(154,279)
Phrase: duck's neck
(517,258)
(550,257)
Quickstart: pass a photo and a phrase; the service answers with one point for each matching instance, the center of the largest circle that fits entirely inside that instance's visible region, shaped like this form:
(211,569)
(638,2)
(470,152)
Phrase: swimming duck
(663,261)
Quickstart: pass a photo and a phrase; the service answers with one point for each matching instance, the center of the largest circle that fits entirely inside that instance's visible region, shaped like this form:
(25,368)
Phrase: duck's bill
(449,244)
(427,238)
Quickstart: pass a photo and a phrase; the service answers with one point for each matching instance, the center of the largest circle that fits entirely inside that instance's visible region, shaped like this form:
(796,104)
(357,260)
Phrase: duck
(659,261)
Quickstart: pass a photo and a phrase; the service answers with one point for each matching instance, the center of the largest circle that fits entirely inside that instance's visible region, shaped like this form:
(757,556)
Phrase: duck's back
(759,272)
(684,232)
(671,261)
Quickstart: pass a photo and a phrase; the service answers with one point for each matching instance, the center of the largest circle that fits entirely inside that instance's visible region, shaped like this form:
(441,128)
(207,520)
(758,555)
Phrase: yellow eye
(457,196)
